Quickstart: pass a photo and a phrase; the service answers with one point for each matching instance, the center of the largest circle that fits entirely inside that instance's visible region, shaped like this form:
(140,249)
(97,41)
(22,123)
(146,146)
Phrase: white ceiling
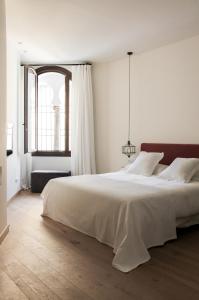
(53,31)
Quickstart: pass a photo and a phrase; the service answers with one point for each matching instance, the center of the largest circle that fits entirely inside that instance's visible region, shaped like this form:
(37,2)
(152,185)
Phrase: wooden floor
(40,259)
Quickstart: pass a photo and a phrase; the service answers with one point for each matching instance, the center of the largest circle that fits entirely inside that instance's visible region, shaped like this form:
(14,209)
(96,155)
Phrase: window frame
(68,77)
(26,95)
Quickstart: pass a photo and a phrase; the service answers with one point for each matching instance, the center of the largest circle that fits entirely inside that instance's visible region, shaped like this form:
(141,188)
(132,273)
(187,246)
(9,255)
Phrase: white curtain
(82,124)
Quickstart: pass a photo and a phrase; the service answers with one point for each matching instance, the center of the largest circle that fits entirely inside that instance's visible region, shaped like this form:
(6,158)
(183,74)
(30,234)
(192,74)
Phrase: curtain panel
(82,123)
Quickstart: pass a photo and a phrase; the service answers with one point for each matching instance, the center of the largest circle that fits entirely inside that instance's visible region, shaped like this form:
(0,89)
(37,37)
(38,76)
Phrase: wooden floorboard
(42,259)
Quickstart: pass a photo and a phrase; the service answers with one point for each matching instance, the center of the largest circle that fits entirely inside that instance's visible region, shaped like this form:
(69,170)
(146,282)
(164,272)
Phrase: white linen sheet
(130,213)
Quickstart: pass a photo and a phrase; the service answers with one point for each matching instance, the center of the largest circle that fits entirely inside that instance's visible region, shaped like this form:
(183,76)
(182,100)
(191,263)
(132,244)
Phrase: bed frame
(172,151)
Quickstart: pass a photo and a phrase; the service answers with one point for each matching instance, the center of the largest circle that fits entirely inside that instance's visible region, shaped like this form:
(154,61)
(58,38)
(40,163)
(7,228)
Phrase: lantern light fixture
(129,149)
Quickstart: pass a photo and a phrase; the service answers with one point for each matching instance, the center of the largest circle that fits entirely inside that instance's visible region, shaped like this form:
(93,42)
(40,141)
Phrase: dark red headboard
(171,151)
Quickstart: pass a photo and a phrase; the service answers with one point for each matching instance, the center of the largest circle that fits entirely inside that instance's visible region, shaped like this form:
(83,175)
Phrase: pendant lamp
(129,149)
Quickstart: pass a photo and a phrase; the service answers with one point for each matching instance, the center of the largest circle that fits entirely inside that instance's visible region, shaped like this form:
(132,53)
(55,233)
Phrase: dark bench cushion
(39,178)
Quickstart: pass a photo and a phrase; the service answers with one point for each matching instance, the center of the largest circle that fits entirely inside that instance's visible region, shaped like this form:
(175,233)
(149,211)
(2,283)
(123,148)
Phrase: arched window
(51,114)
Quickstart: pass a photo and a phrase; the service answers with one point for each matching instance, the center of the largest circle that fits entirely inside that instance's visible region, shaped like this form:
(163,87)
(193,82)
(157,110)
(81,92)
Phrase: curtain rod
(34,65)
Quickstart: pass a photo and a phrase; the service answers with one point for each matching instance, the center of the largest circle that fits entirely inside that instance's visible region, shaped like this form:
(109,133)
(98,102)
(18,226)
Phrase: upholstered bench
(39,178)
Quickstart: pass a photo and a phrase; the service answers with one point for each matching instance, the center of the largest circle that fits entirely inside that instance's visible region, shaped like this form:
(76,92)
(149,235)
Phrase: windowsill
(52,153)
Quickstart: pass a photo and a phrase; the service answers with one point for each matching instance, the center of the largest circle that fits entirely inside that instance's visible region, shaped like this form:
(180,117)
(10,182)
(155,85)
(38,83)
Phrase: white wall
(110,110)
(51,163)
(3,220)
(165,100)
(13,161)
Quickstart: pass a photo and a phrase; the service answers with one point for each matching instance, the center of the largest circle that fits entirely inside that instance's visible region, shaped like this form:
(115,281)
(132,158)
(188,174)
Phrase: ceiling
(53,31)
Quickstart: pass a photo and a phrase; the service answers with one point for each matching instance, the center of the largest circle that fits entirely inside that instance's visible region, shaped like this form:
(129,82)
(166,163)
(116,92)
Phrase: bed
(130,213)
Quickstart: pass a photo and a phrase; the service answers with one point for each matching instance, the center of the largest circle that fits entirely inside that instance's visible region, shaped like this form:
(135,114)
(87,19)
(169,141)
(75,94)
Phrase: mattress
(130,213)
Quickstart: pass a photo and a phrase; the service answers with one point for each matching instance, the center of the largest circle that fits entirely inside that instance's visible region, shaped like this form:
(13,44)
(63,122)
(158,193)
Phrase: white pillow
(145,163)
(196,176)
(159,168)
(181,169)
(130,161)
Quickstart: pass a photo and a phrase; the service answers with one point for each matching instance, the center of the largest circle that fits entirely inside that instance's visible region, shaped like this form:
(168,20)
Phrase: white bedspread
(130,213)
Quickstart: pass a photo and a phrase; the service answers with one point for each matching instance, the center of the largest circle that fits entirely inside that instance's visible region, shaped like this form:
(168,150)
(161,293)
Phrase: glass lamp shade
(128,149)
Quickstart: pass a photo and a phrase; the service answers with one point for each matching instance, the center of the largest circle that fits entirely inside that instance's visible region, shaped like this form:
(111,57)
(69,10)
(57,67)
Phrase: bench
(39,178)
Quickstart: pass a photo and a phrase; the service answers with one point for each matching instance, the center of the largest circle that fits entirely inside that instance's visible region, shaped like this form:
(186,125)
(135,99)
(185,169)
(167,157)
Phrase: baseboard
(4,233)
(13,197)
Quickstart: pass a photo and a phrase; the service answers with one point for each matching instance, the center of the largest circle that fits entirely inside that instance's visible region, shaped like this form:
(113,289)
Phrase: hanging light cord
(129,54)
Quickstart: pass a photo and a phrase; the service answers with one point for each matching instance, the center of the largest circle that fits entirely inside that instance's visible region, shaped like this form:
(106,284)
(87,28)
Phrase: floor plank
(8,289)
(42,259)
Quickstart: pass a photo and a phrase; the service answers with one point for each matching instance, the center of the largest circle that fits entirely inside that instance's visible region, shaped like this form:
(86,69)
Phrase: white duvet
(130,213)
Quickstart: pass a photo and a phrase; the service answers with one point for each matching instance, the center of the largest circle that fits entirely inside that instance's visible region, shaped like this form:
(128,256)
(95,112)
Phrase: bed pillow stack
(181,169)
(196,176)
(159,168)
(145,163)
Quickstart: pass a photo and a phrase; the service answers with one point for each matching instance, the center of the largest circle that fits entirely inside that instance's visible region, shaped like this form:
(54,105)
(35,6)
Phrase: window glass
(51,112)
